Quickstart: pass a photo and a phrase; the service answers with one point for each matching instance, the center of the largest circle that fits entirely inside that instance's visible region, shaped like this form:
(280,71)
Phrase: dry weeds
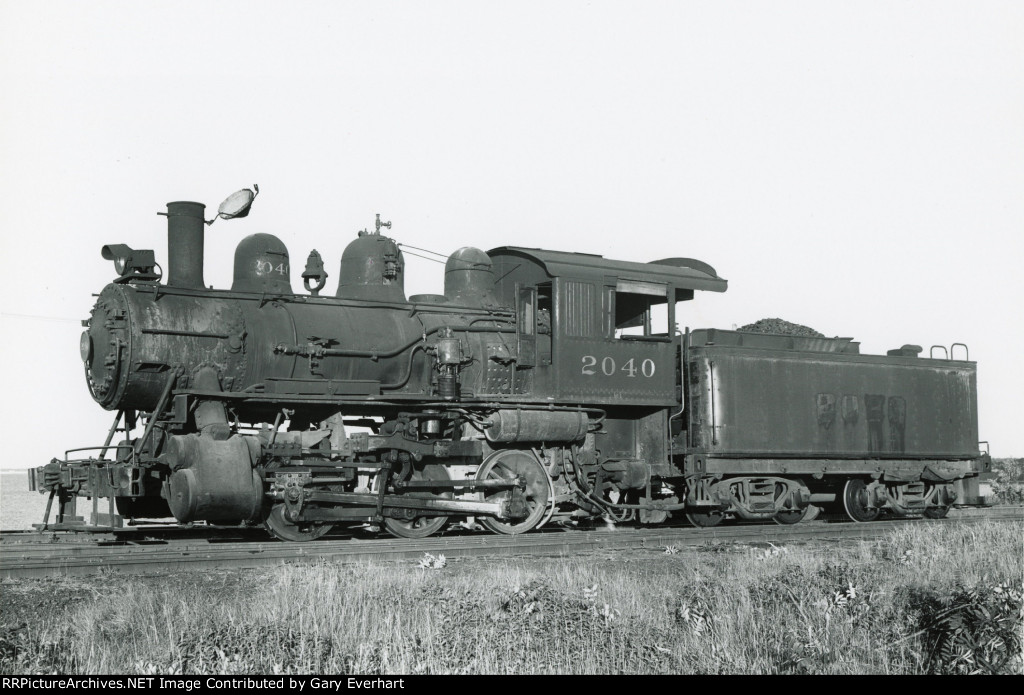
(931,597)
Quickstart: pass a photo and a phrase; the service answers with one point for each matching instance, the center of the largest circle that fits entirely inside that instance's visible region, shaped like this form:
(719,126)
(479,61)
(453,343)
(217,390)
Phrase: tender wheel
(507,465)
(285,530)
(789,492)
(791,516)
(421,526)
(855,501)
(937,512)
(705,519)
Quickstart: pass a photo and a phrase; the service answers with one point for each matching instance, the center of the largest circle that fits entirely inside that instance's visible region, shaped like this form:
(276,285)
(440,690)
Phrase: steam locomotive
(540,386)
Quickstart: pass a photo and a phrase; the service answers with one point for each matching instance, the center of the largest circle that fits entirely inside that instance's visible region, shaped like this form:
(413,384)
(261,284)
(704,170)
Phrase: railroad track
(29,554)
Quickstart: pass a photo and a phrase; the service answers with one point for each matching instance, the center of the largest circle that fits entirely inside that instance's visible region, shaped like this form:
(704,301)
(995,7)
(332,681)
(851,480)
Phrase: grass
(939,598)
(1008,482)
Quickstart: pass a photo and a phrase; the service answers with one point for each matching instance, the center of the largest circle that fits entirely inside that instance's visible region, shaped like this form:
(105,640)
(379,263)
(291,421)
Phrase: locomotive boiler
(539,386)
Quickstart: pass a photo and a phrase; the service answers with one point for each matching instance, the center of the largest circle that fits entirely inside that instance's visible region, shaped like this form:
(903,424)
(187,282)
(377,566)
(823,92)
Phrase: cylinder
(185,229)
(536,426)
(214,480)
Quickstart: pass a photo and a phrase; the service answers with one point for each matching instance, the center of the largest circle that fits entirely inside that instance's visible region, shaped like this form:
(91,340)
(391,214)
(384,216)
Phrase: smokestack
(185,229)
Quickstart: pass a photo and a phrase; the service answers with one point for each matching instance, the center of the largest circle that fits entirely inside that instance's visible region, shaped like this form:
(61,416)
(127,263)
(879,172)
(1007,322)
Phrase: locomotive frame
(540,385)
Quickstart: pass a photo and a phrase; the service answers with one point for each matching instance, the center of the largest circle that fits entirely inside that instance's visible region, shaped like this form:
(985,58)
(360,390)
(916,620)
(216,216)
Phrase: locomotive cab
(613,341)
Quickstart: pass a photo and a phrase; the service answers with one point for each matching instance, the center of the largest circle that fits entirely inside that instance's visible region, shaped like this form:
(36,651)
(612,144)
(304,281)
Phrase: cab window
(640,310)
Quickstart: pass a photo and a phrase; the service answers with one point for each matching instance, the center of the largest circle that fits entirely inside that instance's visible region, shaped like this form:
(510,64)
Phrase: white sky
(855,167)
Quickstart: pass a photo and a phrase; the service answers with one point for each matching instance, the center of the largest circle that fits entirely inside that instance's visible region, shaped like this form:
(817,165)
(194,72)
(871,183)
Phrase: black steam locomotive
(541,385)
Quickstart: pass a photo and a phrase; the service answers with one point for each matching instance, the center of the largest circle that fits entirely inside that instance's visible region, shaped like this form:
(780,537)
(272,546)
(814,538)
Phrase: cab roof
(682,273)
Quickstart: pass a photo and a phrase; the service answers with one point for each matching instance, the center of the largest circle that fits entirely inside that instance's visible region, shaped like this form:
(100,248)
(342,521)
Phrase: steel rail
(32,559)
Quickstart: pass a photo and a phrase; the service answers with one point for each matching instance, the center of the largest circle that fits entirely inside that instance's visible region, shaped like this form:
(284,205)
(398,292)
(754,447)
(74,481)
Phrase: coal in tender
(780,327)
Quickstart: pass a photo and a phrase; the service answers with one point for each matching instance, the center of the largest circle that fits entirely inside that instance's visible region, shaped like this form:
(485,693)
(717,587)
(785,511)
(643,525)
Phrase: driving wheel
(511,464)
(421,526)
(281,528)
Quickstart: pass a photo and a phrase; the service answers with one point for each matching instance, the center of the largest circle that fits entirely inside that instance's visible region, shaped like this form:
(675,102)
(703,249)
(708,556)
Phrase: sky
(856,167)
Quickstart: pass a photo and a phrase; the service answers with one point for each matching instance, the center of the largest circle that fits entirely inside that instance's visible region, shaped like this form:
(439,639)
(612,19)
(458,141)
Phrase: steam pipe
(210,415)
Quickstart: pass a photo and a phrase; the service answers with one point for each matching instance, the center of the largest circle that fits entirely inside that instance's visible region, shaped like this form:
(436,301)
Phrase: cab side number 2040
(606,366)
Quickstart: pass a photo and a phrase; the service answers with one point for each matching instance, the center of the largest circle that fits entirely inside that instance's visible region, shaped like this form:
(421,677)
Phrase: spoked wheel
(285,530)
(510,464)
(421,526)
(705,519)
(790,516)
(855,501)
